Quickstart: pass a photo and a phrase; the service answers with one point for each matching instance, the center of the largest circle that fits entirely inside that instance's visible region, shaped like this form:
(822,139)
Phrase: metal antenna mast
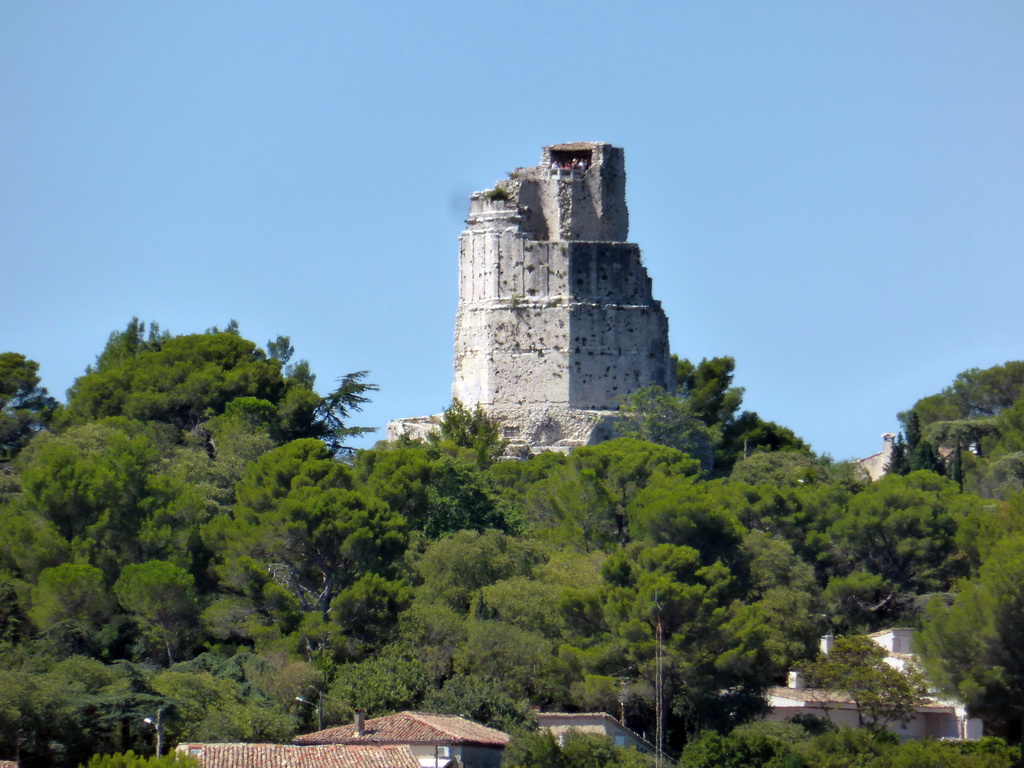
(658,666)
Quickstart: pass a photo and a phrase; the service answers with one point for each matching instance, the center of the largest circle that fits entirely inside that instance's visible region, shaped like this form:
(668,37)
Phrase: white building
(935,718)
(596,723)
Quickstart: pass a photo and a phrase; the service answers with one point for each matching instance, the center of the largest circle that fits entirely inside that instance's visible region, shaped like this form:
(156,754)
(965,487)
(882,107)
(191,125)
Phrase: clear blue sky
(830,192)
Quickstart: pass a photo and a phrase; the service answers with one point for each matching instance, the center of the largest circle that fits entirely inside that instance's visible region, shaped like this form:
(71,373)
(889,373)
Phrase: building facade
(935,717)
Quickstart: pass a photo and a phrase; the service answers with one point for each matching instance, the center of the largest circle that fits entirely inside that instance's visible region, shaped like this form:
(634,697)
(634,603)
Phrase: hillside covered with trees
(190,534)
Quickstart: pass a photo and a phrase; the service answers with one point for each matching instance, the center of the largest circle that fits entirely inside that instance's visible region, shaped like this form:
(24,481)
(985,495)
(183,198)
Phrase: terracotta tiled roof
(410,728)
(291,756)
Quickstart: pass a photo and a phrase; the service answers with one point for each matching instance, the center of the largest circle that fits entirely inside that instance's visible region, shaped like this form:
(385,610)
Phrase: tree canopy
(972,647)
(191,535)
(703,418)
(25,407)
(188,380)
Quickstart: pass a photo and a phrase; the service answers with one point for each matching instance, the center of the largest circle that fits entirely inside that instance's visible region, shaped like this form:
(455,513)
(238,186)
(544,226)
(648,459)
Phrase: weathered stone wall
(556,319)
(619,350)
(552,428)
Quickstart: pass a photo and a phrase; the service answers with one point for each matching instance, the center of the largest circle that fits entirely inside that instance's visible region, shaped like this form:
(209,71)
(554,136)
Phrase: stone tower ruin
(556,320)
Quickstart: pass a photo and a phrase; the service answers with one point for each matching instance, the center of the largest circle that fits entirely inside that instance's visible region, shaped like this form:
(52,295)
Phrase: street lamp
(622,697)
(319,708)
(158,725)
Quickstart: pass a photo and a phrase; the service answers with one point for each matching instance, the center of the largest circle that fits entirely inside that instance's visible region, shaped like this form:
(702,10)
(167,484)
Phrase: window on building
(579,159)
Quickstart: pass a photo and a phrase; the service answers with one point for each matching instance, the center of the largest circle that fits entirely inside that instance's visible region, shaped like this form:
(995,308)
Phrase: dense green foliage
(789,745)
(703,418)
(973,647)
(25,407)
(130,760)
(972,431)
(577,750)
(190,535)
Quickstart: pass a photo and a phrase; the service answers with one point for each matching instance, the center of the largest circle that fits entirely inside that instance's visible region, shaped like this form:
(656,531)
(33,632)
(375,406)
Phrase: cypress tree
(956,472)
(899,462)
(924,457)
(913,426)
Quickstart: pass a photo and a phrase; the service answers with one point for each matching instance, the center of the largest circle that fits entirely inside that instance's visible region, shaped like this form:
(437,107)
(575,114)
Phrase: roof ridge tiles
(410,727)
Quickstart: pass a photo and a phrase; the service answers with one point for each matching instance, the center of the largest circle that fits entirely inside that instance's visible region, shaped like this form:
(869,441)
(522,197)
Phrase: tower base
(528,429)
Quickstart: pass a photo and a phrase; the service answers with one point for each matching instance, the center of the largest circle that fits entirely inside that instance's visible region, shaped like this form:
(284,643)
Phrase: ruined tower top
(578,192)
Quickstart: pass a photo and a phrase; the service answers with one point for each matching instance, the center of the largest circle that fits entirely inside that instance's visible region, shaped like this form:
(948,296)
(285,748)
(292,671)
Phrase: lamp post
(319,708)
(622,700)
(158,725)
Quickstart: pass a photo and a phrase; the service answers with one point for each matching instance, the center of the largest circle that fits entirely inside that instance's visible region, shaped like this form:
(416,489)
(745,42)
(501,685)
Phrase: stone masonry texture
(556,319)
